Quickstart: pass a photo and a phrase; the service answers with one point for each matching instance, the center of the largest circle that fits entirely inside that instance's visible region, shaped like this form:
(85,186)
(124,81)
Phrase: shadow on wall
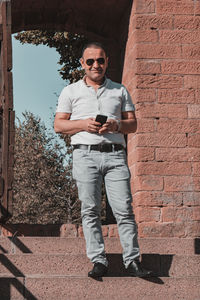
(197,246)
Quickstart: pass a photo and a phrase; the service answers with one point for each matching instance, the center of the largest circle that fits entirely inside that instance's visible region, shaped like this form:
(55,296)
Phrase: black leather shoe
(98,270)
(135,269)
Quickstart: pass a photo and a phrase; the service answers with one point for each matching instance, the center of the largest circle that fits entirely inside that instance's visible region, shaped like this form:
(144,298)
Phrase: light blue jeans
(90,168)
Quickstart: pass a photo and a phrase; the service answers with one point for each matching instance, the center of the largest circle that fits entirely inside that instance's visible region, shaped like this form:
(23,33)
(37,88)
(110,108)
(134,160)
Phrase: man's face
(96,71)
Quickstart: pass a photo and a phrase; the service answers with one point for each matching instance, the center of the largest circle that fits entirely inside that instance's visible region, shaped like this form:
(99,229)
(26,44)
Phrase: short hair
(95,45)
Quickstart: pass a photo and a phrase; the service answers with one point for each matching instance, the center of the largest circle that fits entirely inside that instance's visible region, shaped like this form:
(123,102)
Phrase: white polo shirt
(83,102)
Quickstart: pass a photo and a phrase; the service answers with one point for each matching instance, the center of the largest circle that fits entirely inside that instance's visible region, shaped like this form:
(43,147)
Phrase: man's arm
(128,124)
(63,124)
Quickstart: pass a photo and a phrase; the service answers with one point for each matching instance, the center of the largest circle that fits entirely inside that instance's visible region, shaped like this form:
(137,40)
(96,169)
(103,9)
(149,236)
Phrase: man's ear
(82,62)
(107,59)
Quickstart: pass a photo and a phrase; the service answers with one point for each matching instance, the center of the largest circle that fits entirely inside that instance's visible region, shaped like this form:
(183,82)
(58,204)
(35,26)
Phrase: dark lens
(101,60)
(90,61)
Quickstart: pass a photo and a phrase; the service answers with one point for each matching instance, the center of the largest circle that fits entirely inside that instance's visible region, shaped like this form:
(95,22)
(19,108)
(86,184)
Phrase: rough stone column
(161,71)
(6,112)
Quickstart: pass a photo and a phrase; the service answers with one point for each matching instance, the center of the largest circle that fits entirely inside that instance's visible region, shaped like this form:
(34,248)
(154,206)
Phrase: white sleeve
(64,102)
(127,104)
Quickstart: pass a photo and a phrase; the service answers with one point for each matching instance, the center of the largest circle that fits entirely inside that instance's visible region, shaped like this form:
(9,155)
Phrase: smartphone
(101,119)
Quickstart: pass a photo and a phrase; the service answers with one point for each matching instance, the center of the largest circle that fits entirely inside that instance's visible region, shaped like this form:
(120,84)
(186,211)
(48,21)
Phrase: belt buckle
(106,147)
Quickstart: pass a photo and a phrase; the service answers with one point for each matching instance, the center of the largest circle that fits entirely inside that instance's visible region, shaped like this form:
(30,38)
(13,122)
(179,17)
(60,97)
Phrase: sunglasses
(100,61)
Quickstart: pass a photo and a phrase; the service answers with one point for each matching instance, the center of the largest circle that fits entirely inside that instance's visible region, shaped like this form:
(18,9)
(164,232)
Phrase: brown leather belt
(100,147)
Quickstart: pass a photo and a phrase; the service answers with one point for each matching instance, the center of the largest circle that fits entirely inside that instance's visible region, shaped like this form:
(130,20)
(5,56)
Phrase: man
(99,155)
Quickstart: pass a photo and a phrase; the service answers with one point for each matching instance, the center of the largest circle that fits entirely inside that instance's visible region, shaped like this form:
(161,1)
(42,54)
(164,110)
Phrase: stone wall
(6,112)
(161,70)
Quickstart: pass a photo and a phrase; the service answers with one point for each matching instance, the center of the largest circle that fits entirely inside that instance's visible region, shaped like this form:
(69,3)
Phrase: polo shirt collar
(103,85)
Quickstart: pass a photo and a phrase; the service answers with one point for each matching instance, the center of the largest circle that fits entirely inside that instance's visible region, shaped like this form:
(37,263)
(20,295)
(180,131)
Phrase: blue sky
(36,81)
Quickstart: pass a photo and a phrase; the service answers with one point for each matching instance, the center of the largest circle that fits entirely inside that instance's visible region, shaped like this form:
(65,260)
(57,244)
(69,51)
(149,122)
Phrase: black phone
(101,119)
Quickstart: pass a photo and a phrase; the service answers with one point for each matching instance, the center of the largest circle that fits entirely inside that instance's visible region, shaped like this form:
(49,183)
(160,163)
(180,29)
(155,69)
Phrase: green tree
(68,45)
(44,191)
(47,185)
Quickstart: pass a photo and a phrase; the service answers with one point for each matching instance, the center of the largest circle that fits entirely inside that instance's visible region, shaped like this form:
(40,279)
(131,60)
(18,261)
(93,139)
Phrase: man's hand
(90,125)
(110,126)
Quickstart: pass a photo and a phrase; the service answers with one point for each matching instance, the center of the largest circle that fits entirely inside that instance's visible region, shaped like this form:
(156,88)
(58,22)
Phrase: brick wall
(161,71)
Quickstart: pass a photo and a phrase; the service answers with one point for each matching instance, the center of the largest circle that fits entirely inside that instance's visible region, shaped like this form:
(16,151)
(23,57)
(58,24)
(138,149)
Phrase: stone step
(59,245)
(75,265)
(116,288)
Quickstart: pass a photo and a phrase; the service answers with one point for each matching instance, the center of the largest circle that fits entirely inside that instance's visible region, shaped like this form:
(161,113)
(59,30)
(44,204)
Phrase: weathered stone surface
(64,246)
(78,265)
(113,288)
(12,288)
(75,16)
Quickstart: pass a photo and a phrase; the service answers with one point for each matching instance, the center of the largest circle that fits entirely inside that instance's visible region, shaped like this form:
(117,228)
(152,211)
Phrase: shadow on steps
(159,264)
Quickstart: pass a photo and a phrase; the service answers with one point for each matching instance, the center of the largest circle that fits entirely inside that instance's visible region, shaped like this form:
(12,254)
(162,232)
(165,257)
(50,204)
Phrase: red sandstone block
(196,168)
(177,154)
(141,95)
(143,6)
(105,230)
(197,8)
(113,231)
(141,154)
(177,214)
(193,229)
(158,51)
(161,140)
(197,95)
(131,142)
(179,36)
(175,7)
(147,183)
(178,126)
(158,81)
(153,22)
(132,170)
(196,213)
(194,140)
(180,67)
(5,245)
(152,198)
(149,110)
(127,78)
(191,199)
(131,89)
(80,232)
(147,67)
(196,181)
(159,229)
(192,81)
(194,111)
(68,230)
(145,125)
(132,159)
(144,36)
(190,52)
(181,183)
(176,96)
(6,232)
(187,22)
(144,214)
(163,168)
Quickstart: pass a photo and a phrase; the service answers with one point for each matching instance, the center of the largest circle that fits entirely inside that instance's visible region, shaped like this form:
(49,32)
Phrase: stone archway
(156,45)
(106,22)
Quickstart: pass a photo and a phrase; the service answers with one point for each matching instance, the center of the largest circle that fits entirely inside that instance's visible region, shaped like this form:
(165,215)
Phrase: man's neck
(94,84)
